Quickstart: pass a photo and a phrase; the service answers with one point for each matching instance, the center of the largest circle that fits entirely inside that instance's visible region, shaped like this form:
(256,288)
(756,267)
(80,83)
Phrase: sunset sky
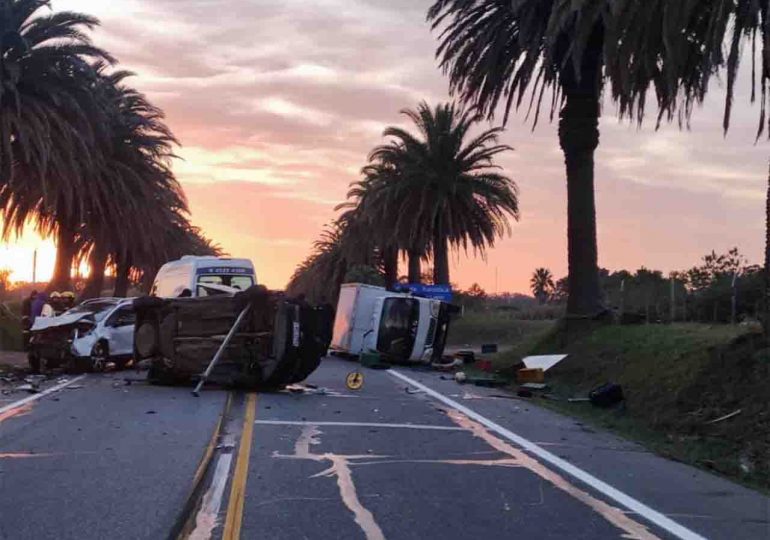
(277,103)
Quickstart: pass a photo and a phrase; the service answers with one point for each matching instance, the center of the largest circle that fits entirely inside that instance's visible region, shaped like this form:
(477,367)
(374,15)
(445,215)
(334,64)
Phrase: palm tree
(320,275)
(49,128)
(140,152)
(443,190)
(512,52)
(371,223)
(542,284)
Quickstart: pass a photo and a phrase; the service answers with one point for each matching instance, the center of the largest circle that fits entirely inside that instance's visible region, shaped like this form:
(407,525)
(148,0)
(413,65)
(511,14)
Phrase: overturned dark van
(279,341)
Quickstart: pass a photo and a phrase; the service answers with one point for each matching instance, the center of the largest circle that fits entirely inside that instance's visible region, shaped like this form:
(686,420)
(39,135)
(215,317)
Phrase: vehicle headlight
(435,309)
(428,353)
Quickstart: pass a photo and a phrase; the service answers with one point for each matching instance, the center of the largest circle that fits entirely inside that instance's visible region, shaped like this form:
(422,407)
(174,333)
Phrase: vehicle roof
(107,300)
(196,261)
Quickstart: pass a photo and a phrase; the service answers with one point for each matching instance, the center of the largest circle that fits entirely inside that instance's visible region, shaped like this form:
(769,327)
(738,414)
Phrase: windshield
(99,309)
(398,327)
(239,282)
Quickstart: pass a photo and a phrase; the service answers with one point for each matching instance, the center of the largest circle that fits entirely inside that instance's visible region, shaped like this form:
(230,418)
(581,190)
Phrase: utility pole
(34,266)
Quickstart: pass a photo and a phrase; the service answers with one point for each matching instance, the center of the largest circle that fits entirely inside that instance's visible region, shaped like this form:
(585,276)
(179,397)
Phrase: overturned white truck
(399,326)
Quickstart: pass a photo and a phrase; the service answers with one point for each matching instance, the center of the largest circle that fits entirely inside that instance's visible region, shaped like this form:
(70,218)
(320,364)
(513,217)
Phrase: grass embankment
(515,335)
(676,379)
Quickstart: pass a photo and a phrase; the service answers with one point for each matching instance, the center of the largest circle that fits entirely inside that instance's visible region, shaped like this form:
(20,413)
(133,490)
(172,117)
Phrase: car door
(121,331)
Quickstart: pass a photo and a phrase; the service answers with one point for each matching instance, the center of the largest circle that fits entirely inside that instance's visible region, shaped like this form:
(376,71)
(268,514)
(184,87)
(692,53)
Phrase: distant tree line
(721,288)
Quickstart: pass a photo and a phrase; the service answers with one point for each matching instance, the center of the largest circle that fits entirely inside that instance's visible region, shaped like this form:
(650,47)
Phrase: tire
(146,340)
(100,355)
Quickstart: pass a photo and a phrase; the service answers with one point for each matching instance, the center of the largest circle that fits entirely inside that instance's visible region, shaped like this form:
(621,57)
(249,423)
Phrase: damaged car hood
(44,323)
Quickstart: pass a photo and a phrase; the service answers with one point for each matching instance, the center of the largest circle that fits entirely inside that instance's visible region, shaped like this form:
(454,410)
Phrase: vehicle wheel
(146,339)
(100,355)
(34,362)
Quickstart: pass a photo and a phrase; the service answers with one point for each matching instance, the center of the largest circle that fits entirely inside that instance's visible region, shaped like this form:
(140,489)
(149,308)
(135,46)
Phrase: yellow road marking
(238,490)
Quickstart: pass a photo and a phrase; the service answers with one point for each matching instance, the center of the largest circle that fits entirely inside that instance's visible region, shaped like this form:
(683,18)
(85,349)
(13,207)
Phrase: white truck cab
(398,325)
(203,276)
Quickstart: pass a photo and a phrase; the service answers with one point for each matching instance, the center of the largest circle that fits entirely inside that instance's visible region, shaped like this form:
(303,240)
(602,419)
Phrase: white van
(203,276)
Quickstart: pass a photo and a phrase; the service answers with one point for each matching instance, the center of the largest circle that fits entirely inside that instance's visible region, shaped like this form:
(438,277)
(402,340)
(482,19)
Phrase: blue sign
(436,292)
(223,270)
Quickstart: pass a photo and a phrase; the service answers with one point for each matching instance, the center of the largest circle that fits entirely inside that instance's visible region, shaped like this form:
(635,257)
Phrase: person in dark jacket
(38,304)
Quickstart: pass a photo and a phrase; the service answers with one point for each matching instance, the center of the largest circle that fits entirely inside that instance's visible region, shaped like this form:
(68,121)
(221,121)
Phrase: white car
(91,334)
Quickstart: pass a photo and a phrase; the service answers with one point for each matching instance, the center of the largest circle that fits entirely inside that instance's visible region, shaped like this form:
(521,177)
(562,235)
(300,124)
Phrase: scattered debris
(489,348)
(32,389)
(412,390)
(530,375)
(544,362)
(485,365)
(578,399)
(451,365)
(725,417)
(606,395)
(490,382)
(308,389)
(75,387)
(467,356)
(535,386)
(523,392)
(151,412)
(373,360)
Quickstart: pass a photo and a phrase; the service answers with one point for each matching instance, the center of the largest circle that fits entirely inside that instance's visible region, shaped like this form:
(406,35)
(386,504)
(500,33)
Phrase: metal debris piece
(32,389)
(725,417)
(544,362)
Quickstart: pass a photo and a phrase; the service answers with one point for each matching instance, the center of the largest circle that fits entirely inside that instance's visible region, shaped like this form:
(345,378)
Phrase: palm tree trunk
(579,138)
(65,254)
(414,267)
(121,277)
(97,262)
(766,321)
(390,262)
(440,257)
(148,278)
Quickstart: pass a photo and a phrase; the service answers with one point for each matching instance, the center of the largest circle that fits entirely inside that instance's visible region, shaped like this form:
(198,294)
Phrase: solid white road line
(621,498)
(207,518)
(34,397)
(356,424)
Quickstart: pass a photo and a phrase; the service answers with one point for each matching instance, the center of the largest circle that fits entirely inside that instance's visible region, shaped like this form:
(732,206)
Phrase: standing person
(68,300)
(40,301)
(26,318)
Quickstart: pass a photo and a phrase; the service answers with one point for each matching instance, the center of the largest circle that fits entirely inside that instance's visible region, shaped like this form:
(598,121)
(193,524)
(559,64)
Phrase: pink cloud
(306,88)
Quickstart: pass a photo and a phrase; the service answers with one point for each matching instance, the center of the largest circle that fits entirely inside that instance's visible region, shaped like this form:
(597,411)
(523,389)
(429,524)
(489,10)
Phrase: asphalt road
(408,456)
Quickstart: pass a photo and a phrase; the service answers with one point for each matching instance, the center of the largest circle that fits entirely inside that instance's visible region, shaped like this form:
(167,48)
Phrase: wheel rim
(98,358)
